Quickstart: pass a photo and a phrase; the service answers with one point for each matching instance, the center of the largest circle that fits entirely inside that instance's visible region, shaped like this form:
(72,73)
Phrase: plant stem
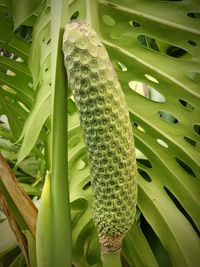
(111,259)
(59,176)
(17,197)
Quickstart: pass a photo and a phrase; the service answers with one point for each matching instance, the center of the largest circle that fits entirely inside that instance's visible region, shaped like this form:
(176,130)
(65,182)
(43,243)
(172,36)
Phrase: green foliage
(154,46)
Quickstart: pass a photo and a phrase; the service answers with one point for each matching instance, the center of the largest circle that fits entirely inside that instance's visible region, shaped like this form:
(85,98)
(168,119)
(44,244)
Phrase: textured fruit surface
(107,130)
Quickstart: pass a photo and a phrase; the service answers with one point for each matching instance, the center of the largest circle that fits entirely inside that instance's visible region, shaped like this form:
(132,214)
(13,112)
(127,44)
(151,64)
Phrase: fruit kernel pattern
(107,132)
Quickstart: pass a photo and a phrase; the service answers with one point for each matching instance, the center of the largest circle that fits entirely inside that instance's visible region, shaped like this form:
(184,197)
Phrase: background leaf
(39,62)
(22,10)
(150,43)
(16,94)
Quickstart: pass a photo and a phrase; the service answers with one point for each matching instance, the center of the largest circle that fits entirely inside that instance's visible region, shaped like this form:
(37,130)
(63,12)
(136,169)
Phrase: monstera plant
(154,46)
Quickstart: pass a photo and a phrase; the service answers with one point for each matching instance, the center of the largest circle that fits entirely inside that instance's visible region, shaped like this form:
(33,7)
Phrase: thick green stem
(111,259)
(53,238)
(59,177)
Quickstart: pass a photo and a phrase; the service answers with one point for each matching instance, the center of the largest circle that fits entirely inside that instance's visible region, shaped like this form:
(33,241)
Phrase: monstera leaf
(154,46)
(16,94)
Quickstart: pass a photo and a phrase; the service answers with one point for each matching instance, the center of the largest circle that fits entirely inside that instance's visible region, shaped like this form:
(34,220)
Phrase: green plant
(154,46)
(107,130)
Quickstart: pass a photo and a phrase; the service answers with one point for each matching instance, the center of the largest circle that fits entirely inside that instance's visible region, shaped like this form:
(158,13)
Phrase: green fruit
(107,130)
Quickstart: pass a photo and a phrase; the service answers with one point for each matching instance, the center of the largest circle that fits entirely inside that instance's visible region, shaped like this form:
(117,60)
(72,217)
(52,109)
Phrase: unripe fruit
(107,130)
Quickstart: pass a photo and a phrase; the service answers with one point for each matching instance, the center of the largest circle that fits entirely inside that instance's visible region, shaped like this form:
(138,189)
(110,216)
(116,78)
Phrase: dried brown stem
(19,196)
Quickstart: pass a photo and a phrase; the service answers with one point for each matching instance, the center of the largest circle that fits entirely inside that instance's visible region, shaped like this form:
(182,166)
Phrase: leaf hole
(148,42)
(135,24)
(185,167)
(177,52)
(74,15)
(146,91)
(139,127)
(119,66)
(194,15)
(186,105)
(19,59)
(87,185)
(24,32)
(108,20)
(4,120)
(23,106)
(193,43)
(150,78)
(181,209)
(160,253)
(75,140)
(162,143)
(144,175)
(167,117)
(8,89)
(7,72)
(49,41)
(196,128)
(190,141)
(10,73)
(46,69)
(144,162)
(155,45)
(142,159)
(7,54)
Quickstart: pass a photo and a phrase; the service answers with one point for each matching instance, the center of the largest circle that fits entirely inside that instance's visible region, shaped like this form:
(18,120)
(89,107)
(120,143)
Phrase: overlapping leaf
(8,240)
(16,95)
(39,61)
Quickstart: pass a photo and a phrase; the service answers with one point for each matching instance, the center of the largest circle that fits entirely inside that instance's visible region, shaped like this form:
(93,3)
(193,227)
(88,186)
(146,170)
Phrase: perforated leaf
(23,9)
(16,95)
(39,61)
(156,44)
